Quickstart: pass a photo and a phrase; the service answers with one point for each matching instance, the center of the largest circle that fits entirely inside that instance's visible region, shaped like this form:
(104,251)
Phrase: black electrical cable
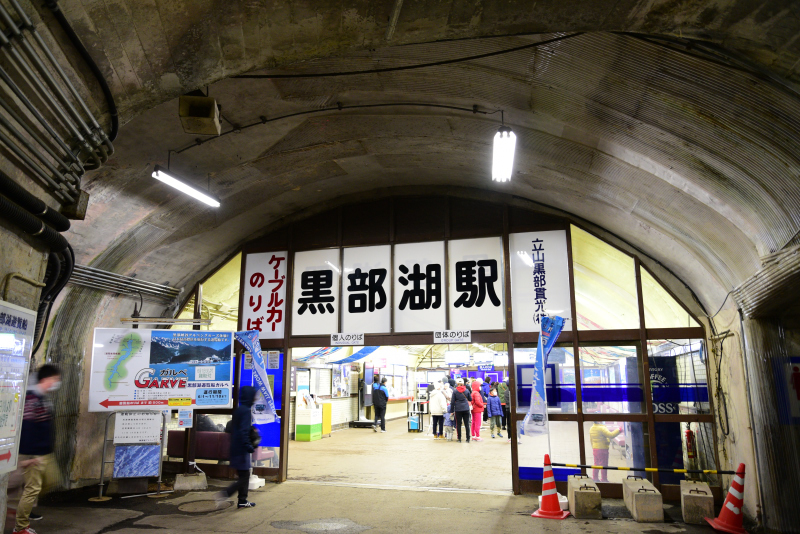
(46,304)
(76,42)
(33,226)
(31,203)
(409,67)
(339,107)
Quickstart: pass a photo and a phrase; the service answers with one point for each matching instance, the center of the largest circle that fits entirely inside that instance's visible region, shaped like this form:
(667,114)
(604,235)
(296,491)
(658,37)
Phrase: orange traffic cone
(730,518)
(550,508)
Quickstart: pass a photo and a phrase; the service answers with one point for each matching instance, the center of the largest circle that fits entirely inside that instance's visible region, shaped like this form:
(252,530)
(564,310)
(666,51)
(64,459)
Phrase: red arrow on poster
(6,456)
(162,402)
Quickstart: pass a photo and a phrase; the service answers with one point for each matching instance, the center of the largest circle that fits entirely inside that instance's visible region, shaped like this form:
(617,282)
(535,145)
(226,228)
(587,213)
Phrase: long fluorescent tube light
(163,175)
(503,157)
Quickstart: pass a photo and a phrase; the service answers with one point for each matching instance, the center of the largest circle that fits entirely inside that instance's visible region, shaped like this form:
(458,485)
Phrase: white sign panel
(315,293)
(476,284)
(366,305)
(137,427)
(17,327)
(160,368)
(265,294)
(539,278)
(419,298)
(452,336)
(346,340)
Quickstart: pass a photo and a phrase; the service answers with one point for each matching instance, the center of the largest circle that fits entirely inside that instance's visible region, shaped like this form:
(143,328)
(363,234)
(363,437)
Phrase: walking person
(477,410)
(502,389)
(380,397)
(494,409)
(601,437)
(242,448)
(36,444)
(437,403)
(460,406)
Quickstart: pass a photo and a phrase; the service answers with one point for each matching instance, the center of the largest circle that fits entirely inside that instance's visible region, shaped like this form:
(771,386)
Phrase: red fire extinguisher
(691,446)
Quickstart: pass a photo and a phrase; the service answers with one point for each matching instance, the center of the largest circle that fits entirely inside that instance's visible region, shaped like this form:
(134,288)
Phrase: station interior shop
(337,449)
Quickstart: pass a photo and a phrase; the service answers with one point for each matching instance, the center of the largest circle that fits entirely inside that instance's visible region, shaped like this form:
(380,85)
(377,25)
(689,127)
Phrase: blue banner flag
(536,420)
(249,338)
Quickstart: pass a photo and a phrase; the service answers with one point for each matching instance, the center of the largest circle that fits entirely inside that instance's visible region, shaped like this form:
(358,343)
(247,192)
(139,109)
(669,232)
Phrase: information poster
(17,326)
(134,461)
(137,427)
(143,368)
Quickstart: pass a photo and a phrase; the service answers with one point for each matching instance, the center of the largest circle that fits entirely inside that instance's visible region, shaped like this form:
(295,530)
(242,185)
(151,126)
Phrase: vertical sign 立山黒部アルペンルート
(539,278)
(476,292)
(366,301)
(265,294)
(315,292)
(419,291)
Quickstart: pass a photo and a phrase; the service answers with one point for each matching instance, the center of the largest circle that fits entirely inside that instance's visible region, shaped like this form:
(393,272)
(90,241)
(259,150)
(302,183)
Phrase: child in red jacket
(477,411)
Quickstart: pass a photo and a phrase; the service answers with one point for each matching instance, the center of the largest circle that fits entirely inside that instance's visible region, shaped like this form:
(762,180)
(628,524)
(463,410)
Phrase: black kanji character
(372,282)
(473,293)
(316,286)
(417,298)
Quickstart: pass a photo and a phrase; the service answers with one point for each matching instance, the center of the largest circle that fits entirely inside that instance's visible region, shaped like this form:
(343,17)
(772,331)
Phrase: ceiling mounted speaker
(199,115)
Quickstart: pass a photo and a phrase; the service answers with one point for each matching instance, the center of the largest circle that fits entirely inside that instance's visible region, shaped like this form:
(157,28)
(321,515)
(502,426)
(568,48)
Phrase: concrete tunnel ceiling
(689,158)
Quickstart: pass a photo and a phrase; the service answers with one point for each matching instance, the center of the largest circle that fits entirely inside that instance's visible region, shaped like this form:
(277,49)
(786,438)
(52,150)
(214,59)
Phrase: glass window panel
(221,296)
(660,309)
(561,444)
(678,376)
(611,380)
(559,379)
(605,284)
(616,444)
(678,449)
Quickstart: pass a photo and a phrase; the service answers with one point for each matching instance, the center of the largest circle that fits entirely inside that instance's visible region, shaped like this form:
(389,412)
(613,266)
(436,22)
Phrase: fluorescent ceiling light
(163,175)
(503,157)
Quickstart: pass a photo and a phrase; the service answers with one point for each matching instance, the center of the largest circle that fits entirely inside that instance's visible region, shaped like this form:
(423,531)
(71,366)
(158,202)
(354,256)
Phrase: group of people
(469,402)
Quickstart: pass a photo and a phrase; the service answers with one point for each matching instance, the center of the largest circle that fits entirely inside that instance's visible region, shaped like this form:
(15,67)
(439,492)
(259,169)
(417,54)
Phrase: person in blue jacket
(380,397)
(241,447)
(485,395)
(495,410)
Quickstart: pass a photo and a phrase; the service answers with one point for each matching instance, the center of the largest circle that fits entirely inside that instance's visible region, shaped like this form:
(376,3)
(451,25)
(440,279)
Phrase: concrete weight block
(193,482)
(643,500)
(584,497)
(697,502)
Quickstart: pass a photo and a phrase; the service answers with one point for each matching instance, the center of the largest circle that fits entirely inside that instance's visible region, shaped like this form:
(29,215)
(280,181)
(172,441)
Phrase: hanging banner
(264,405)
(265,294)
(315,292)
(142,368)
(17,326)
(366,299)
(536,419)
(419,299)
(539,278)
(476,284)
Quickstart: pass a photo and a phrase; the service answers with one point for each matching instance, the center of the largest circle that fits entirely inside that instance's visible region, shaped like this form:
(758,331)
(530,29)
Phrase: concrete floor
(357,456)
(310,507)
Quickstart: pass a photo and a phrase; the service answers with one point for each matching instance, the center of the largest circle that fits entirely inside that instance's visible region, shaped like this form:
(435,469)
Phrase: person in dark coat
(242,447)
(380,397)
(460,406)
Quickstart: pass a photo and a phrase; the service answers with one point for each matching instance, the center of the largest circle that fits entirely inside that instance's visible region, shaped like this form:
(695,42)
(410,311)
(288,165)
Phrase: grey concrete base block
(127,486)
(697,502)
(193,482)
(584,497)
(643,500)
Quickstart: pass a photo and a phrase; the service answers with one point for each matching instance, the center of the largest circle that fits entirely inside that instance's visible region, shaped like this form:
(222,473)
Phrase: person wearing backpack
(242,447)
(460,406)
(477,410)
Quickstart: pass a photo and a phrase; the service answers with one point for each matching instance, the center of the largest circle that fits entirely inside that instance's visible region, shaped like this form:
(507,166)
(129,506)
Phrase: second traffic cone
(730,518)
(550,508)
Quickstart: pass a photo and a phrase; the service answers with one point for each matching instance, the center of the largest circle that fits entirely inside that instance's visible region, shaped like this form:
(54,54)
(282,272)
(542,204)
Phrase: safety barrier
(650,469)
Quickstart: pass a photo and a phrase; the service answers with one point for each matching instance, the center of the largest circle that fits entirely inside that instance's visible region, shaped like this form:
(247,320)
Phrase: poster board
(340,381)
(160,369)
(131,428)
(17,325)
(134,461)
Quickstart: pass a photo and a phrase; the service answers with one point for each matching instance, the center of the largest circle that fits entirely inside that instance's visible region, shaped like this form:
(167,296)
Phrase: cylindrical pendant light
(503,157)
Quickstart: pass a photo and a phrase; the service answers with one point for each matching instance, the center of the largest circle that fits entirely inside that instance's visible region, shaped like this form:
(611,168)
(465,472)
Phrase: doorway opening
(332,413)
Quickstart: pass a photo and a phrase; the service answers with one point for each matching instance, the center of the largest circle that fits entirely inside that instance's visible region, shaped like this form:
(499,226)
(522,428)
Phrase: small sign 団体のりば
(452,336)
